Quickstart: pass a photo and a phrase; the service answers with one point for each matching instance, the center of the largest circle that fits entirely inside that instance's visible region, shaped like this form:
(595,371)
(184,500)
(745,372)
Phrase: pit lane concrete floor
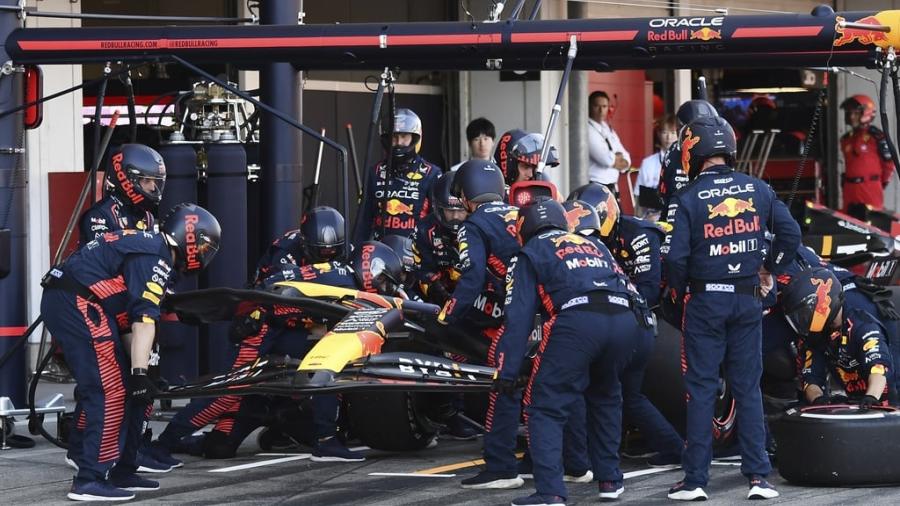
(39,476)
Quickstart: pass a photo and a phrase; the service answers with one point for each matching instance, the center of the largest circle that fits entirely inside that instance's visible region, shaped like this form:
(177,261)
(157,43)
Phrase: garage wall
(56,146)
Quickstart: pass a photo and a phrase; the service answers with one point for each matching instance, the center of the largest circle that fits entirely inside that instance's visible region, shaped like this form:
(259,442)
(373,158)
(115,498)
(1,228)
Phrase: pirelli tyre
(391,421)
(839,445)
(664,386)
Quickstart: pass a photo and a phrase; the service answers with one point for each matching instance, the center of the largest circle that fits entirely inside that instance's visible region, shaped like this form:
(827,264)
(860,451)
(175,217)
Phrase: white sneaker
(761,489)
(683,492)
(587,477)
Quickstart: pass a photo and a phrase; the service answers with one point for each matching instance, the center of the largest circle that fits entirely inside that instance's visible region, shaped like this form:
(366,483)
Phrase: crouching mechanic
(634,243)
(583,290)
(119,272)
(259,331)
(485,243)
(847,342)
(715,264)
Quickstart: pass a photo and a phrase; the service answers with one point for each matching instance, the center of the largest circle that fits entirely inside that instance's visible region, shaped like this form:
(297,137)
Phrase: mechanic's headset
(604,203)
(811,301)
(194,233)
(376,268)
(545,213)
(705,138)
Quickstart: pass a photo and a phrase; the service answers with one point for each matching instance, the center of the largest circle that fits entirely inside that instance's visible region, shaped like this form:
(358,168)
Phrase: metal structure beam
(818,39)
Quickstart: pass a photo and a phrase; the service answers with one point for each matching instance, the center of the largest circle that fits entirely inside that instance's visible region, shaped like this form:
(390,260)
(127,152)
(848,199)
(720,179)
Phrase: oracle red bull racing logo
(399,215)
(847,35)
(730,207)
(823,304)
(191,248)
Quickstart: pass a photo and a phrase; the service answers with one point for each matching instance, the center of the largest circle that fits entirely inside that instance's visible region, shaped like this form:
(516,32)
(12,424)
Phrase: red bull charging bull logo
(573,217)
(395,207)
(690,140)
(848,35)
(823,304)
(730,207)
(706,34)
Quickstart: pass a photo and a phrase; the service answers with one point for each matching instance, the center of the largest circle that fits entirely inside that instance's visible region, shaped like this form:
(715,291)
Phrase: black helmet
(544,214)
(442,200)
(811,300)
(478,181)
(128,166)
(405,122)
(582,217)
(322,229)
(377,268)
(604,203)
(705,138)
(528,150)
(695,109)
(195,233)
(403,248)
(503,154)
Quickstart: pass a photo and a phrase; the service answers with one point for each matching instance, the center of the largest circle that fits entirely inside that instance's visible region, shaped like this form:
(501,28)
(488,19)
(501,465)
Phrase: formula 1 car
(352,358)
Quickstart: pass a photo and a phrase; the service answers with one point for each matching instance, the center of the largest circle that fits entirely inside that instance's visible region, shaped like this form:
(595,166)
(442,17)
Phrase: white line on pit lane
(290,458)
(645,472)
(415,475)
(30,453)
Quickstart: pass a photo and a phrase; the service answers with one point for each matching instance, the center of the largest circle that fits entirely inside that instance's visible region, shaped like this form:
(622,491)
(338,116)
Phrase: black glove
(868,401)
(141,388)
(243,327)
(821,400)
(504,386)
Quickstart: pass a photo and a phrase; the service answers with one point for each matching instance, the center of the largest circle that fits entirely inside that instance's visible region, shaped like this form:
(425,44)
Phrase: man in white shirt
(481,134)
(608,155)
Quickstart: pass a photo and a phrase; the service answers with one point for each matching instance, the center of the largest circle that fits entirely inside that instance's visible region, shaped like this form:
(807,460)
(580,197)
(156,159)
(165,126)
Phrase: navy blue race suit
(285,251)
(672,177)
(110,215)
(394,203)
(636,246)
(436,257)
(118,278)
(850,355)
(596,316)
(269,330)
(717,249)
(486,242)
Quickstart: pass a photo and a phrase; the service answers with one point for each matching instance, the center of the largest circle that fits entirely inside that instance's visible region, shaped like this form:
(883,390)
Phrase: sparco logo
(685,22)
(127,185)
(190,242)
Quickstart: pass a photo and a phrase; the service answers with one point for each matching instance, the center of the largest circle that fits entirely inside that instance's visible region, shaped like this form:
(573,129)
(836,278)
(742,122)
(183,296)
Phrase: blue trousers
(223,411)
(577,361)
(723,328)
(658,432)
(89,338)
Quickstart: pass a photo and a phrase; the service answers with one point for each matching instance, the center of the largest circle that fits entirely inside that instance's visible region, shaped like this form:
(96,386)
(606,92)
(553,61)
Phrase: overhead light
(782,89)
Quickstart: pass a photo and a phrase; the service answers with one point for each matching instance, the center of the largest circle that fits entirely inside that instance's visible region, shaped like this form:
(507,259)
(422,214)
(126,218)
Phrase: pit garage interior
(59,152)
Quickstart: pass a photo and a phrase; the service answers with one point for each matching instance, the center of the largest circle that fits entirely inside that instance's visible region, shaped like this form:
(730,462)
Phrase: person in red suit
(867,158)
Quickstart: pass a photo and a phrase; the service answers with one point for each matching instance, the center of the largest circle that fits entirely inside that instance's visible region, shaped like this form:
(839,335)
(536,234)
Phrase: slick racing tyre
(839,445)
(392,421)
(664,386)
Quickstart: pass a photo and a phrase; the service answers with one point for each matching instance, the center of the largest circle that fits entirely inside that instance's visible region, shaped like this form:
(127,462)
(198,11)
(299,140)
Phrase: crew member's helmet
(478,181)
(704,138)
(527,150)
(503,154)
(403,248)
(695,109)
(405,122)
(812,300)
(544,214)
(129,166)
(448,209)
(582,217)
(604,203)
(322,229)
(194,233)
(377,268)
(862,103)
